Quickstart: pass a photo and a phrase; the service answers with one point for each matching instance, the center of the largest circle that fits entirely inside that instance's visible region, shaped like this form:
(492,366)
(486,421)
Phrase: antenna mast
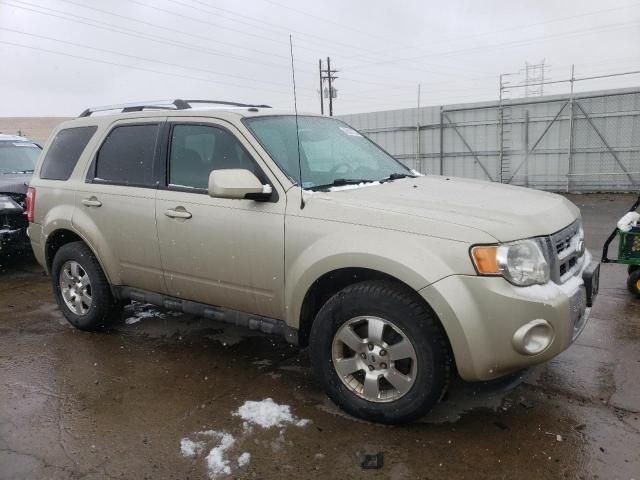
(295,106)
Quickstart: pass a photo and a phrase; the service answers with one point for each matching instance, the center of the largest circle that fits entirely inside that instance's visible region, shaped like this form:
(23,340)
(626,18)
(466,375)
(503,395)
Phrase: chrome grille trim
(564,258)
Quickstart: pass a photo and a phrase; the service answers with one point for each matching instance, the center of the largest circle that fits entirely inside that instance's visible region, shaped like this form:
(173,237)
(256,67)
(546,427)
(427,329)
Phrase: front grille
(567,252)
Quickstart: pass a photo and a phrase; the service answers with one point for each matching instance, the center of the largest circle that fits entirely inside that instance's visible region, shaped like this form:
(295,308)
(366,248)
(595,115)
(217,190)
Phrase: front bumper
(482,317)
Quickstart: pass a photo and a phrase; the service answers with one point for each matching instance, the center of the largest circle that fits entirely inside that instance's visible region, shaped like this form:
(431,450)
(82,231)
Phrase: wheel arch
(330,283)
(62,236)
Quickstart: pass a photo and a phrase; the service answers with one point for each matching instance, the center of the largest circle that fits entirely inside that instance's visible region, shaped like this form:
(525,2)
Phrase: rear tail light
(31,204)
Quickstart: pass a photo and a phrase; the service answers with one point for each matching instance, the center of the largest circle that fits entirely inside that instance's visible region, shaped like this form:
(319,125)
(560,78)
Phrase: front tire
(81,287)
(380,352)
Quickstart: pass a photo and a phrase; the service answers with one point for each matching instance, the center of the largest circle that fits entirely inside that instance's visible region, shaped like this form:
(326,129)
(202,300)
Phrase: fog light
(533,338)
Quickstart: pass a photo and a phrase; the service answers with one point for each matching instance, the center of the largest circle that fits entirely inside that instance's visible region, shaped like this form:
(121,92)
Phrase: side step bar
(252,322)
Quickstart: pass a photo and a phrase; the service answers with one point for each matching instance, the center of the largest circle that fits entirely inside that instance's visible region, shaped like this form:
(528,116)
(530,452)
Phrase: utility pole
(330,87)
(331,93)
(321,94)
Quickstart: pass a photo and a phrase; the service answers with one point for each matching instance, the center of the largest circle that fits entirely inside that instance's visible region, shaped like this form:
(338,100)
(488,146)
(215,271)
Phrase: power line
(521,42)
(146,36)
(127,31)
(144,69)
(518,28)
(145,59)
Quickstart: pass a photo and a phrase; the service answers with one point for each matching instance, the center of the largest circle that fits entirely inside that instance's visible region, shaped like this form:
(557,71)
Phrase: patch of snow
(216,463)
(244,459)
(351,187)
(189,448)
(416,173)
(268,413)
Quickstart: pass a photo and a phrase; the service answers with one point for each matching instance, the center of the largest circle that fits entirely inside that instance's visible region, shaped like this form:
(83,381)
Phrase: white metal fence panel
(587,142)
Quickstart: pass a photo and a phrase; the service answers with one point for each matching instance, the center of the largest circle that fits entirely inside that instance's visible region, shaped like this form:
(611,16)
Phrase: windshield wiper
(397,176)
(338,182)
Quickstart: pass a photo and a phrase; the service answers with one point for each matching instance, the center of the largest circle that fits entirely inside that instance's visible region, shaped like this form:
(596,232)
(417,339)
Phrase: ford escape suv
(394,280)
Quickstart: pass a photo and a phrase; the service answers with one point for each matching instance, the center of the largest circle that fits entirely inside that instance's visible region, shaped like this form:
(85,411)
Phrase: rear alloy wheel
(380,353)
(81,287)
(75,287)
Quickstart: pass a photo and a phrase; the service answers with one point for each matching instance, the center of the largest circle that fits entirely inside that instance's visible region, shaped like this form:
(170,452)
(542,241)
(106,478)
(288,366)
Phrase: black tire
(405,310)
(633,283)
(103,306)
(632,268)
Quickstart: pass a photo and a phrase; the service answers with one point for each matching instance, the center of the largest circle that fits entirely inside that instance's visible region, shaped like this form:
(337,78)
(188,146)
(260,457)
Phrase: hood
(14,182)
(503,212)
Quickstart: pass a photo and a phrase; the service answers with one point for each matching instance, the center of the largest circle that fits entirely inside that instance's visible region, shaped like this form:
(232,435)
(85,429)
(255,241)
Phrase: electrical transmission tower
(534,79)
(327,76)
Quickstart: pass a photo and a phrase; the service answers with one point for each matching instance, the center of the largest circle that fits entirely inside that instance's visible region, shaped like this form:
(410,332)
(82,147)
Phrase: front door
(219,251)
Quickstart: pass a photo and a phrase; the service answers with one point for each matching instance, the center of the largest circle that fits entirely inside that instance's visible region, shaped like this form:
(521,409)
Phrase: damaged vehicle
(18,158)
(394,280)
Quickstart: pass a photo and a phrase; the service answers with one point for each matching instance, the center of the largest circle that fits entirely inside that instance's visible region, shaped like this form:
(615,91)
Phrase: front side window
(18,157)
(64,152)
(126,157)
(330,151)
(196,150)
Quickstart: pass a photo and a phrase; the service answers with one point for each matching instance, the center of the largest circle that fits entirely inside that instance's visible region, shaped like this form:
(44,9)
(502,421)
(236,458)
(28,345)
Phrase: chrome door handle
(91,202)
(175,213)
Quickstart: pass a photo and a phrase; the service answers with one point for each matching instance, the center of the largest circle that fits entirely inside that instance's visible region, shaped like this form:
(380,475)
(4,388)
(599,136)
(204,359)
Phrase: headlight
(521,263)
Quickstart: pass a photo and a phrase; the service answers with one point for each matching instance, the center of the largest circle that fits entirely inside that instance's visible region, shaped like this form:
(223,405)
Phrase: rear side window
(127,155)
(64,152)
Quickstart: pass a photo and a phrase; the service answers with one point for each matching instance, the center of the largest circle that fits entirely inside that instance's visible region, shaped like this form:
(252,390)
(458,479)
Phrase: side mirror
(235,183)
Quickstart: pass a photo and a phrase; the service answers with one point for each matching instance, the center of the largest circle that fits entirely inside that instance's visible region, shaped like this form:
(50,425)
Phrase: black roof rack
(177,104)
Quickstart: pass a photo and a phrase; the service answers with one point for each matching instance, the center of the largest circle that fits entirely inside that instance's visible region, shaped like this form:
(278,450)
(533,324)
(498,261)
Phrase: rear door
(219,251)
(119,199)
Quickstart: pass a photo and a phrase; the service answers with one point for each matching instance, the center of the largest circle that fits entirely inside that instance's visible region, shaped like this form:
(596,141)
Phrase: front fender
(413,259)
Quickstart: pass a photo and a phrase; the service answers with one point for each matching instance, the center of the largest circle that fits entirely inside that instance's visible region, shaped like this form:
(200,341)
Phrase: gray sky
(121,51)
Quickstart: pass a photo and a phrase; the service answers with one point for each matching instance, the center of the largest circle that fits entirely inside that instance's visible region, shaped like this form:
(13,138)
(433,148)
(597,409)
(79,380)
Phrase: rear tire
(633,283)
(400,363)
(632,268)
(81,287)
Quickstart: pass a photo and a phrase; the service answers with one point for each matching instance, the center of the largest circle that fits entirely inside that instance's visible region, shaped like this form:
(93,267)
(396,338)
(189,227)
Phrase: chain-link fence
(586,142)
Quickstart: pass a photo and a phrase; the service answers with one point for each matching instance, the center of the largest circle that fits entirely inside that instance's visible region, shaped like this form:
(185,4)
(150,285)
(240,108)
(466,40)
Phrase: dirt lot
(117,404)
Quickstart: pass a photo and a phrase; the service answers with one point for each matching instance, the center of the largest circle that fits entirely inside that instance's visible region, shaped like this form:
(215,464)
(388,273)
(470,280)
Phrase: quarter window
(126,156)
(64,152)
(196,150)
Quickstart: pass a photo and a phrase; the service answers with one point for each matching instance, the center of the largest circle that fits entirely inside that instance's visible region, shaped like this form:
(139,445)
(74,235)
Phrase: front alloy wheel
(374,359)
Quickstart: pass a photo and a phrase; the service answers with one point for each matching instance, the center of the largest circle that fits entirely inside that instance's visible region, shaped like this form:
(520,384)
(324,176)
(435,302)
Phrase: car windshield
(331,152)
(18,157)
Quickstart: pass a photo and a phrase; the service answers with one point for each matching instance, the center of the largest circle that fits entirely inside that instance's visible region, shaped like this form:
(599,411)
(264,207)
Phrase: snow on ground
(265,413)
(216,463)
(268,413)
(189,448)
(140,311)
(244,459)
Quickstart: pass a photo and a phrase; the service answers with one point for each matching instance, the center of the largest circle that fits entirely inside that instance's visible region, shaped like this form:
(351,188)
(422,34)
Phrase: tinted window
(198,149)
(126,156)
(64,152)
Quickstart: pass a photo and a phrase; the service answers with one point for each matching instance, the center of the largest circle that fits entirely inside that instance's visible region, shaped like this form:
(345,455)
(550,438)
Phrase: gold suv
(394,280)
